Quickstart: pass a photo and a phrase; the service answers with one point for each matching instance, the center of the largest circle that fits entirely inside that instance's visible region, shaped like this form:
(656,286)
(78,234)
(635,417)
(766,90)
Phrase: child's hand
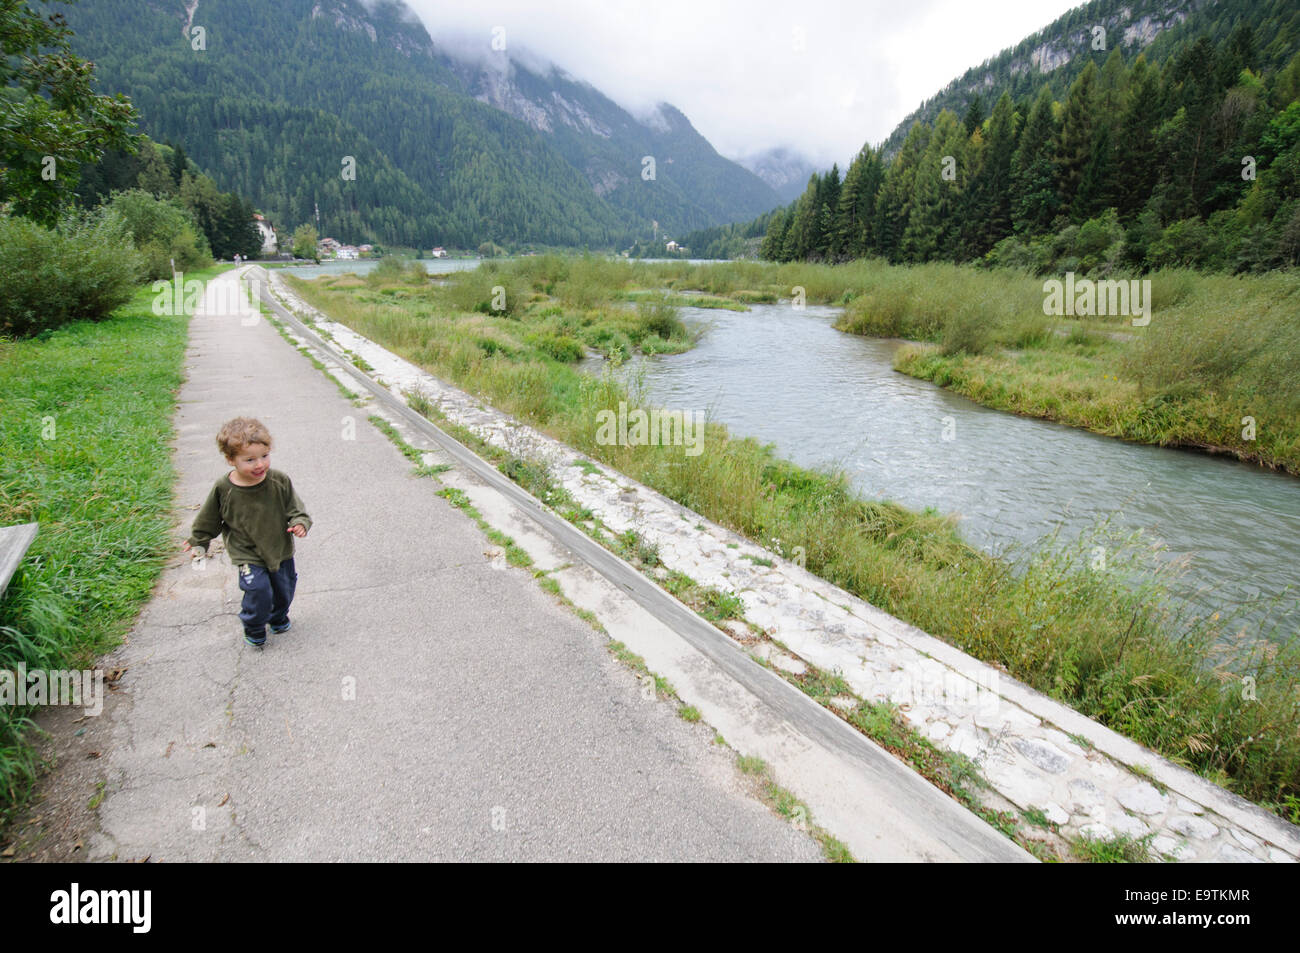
(298,530)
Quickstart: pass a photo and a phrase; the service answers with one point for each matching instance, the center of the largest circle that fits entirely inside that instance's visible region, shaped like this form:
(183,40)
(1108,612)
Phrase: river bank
(1214,368)
(1232,529)
(1058,783)
(1074,632)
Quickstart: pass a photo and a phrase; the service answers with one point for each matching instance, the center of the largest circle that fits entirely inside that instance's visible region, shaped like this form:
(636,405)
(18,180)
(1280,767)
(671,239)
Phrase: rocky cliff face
(696,186)
(1065,45)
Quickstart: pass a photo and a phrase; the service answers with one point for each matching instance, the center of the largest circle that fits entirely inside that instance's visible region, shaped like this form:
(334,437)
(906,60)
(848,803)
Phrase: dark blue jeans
(267,596)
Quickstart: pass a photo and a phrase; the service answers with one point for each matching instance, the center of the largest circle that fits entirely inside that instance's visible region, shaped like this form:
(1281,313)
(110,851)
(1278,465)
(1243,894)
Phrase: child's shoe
(256,643)
(277,629)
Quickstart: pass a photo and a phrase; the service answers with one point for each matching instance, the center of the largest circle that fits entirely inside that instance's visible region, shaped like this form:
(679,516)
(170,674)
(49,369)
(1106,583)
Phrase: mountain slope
(273,99)
(1058,53)
(692,187)
(784,170)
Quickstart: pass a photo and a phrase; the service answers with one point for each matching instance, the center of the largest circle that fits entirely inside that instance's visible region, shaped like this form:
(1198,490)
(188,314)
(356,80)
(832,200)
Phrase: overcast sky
(821,76)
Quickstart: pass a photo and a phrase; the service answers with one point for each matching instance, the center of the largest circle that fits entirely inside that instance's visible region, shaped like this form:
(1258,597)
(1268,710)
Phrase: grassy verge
(1110,649)
(85,423)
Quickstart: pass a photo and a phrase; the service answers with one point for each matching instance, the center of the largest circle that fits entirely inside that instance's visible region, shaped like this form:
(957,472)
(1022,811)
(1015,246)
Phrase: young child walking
(257,513)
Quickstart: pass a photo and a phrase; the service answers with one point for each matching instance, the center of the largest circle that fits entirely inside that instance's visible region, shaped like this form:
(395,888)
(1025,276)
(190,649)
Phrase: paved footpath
(488,723)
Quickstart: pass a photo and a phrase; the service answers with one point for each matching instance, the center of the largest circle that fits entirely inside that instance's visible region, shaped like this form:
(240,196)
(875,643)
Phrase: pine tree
(855,218)
(988,209)
(178,163)
(774,238)
(1136,167)
(1035,202)
(801,236)
(1191,95)
(1235,55)
(974,115)
(1112,91)
(932,226)
(828,203)
(1096,190)
(895,198)
(1074,147)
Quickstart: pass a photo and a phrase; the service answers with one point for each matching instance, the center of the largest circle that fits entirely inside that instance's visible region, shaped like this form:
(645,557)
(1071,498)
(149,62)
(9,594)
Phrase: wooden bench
(14,542)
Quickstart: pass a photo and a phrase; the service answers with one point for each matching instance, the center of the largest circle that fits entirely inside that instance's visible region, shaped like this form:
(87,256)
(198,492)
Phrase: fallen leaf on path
(93,754)
(7,852)
(224,800)
(114,675)
(168,752)
(210,744)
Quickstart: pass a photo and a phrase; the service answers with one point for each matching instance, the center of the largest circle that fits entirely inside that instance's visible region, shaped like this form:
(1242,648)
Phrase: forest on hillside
(1087,33)
(1193,164)
(276,101)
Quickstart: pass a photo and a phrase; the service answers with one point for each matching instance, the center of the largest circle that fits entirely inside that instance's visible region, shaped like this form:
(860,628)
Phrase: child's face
(252,461)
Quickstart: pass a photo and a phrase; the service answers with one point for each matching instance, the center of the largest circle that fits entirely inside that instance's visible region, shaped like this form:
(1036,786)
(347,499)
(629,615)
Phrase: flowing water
(363,266)
(829,399)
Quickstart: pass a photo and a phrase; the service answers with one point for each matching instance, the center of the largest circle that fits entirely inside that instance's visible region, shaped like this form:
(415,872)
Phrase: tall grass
(1109,648)
(1237,336)
(1218,367)
(84,432)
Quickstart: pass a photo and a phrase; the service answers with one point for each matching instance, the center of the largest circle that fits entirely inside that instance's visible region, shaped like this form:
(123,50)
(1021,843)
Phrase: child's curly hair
(236,434)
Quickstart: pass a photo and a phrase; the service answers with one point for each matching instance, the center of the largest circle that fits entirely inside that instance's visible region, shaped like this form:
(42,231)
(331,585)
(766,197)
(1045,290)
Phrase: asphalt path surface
(425,705)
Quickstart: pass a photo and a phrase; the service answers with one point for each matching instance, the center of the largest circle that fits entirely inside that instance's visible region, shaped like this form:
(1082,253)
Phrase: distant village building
(348,253)
(327,248)
(269,242)
(440,252)
(673,246)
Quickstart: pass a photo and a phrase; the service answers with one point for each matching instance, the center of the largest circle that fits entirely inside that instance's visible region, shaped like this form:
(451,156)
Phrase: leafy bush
(1099,243)
(561,347)
(968,331)
(393,269)
(659,317)
(82,270)
(1180,245)
(487,290)
(613,343)
(163,231)
(1095,246)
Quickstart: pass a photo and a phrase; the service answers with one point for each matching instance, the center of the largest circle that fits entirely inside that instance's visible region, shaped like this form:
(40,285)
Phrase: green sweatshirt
(253,520)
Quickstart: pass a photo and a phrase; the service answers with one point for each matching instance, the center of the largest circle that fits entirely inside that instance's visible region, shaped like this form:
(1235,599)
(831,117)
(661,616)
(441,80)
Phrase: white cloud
(820,76)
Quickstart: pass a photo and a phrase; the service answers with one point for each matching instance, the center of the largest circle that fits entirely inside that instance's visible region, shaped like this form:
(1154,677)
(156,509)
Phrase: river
(362,266)
(830,399)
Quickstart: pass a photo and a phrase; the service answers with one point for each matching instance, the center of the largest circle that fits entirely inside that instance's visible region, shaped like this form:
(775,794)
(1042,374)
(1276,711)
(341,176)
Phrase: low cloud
(822,79)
